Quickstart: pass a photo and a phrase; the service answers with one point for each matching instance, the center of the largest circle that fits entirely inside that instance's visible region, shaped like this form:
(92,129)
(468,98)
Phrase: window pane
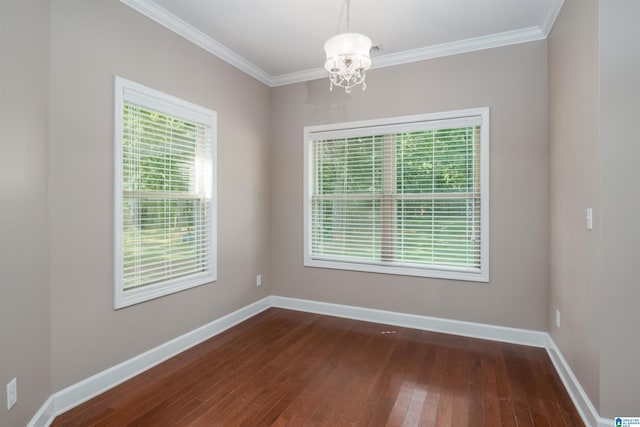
(349,166)
(348,228)
(162,239)
(439,232)
(159,151)
(436,161)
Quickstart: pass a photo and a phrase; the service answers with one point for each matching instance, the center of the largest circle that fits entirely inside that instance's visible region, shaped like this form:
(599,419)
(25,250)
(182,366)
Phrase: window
(407,196)
(165,194)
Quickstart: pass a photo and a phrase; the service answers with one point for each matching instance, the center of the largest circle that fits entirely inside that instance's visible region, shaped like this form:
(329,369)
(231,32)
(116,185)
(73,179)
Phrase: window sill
(135,296)
(471,275)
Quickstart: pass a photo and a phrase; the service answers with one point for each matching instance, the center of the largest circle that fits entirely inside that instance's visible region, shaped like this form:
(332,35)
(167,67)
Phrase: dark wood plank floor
(287,368)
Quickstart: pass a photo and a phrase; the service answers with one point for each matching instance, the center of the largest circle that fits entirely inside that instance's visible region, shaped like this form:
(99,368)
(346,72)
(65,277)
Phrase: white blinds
(166,197)
(398,198)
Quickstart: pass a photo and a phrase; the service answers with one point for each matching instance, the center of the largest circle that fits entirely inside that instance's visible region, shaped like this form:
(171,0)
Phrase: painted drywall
(512,81)
(91,41)
(24,288)
(620,151)
(573,187)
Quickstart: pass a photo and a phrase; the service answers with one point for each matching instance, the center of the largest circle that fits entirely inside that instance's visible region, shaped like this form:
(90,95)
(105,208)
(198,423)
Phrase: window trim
(347,129)
(128,91)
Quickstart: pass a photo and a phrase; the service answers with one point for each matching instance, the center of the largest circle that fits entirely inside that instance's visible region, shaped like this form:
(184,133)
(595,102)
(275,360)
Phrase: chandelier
(347,58)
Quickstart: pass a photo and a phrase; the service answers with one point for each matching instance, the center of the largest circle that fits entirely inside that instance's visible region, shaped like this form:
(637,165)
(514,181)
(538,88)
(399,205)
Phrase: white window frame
(128,91)
(401,124)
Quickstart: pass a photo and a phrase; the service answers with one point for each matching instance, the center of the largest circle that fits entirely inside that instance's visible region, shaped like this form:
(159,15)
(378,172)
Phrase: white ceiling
(281,41)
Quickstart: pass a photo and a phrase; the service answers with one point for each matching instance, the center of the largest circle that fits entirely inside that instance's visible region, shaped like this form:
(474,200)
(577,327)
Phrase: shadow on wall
(326,106)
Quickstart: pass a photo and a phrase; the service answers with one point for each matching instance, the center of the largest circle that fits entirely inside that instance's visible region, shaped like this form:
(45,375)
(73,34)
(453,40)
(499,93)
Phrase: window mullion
(388,204)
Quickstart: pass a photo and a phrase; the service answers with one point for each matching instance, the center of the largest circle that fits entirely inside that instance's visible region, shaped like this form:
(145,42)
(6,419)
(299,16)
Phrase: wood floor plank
(434,386)
(489,388)
(422,401)
(365,361)
(475,401)
(290,369)
(507,412)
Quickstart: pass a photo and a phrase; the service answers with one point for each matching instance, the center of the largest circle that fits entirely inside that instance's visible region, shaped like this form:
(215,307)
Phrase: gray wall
(620,152)
(513,82)
(91,41)
(24,288)
(593,110)
(574,186)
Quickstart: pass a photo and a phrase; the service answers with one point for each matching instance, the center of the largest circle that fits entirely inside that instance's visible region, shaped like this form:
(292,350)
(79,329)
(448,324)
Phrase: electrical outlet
(259,280)
(12,393)
(557,318)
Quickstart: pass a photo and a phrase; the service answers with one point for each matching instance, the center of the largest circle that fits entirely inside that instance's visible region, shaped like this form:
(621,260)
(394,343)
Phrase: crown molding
(421,54)
(180,27)
(461,46)
(299,76)
(197,37)
(550,16)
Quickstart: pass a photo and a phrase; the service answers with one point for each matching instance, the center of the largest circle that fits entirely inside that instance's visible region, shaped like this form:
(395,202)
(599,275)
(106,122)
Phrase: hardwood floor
(287,368)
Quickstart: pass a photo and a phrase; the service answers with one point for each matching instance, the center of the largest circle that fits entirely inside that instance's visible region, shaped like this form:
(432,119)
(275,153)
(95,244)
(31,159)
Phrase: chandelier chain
(348,15)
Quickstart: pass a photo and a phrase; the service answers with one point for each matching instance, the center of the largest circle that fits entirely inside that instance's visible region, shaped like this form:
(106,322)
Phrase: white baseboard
(583,404)
(82,391)
(45,415)
(435,324)
(78,393)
